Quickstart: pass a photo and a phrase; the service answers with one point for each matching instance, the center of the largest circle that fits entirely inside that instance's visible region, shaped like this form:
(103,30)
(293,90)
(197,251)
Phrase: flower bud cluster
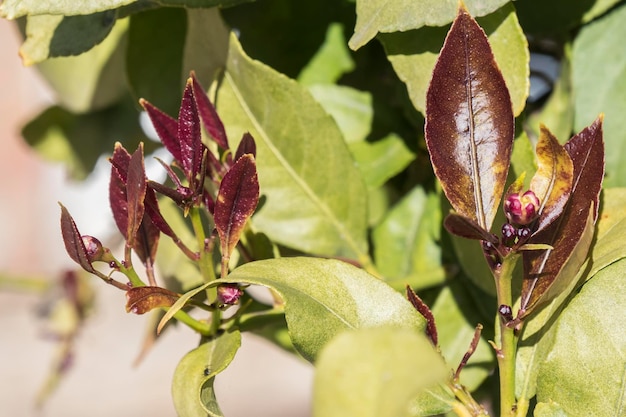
(521,209)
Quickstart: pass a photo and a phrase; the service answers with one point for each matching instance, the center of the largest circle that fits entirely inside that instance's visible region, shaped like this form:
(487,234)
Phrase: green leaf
(316,199)
(79,140)
(352,109)
(585,370)
(549,409)
(192,384)
(387,16)
(374,372)
(49,36)
(608,246)
(455,328)
(201,3)
(324,297)
(92,80)
(154,57)
(469,123)
(413,55)
(599,85)
(381,160)
(523,156)
(405,243)
(330,62)
(11,9)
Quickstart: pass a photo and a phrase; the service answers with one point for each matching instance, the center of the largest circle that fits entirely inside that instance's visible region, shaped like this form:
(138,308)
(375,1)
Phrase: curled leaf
(236,201)
(469,122)
(140,300)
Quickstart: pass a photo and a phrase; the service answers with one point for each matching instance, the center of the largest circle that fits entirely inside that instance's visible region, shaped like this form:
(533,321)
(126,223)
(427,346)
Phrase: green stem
(506,352)
(206,265)
(200,327)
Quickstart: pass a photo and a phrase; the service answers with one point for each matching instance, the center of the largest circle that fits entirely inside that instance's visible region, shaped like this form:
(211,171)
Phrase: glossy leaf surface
(208,115)
(469,123)
(552,183)
(543,268)
(141,300)
(374,372)
(324,297)
(236,201)
(584,372)
(73,241)
(413,55)
(375,16)
(192,385)
(316,199)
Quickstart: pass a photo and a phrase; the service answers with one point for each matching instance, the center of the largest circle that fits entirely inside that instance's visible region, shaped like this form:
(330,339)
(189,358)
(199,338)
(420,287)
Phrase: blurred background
(102,379)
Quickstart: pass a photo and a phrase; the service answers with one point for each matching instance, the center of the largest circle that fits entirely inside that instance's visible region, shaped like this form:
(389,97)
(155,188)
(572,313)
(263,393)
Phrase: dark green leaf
(140,300)
(469,123)
(236,201)
(375,372)
(325,297)
(192,385)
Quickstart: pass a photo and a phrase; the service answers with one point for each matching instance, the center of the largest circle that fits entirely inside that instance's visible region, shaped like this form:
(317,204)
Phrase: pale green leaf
(49,36)
(178,305)
(374,372)
(610,230)
(599,7)
(192,384)
(387,16)
(405,243)
(314,198)
(456,330)
(599,86)
(93,80)
(201,3)
(324,297)
(330,62)
(381,160)
(352,109)
(585,372)
(413,55)
(523,156)
(11,9)
(472,261)
(549,409)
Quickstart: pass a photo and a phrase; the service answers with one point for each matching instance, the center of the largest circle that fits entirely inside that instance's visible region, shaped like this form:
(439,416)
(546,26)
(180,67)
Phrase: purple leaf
(247,145)
(166,128)
(462,226)
(191,147)
(208,115)
(73,241)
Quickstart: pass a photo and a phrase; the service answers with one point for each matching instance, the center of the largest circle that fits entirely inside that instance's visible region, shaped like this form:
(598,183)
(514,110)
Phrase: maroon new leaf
(469,122)
(191,147)
(166,128)
(136,184)
(462,226)
(117,188)
(247,145)
(424,310)
(236,201)
(570,234)
(208,115)
(140,300)
(74,244)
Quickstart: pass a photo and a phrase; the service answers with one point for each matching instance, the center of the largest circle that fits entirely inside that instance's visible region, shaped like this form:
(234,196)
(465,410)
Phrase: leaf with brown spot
(236,200)
(570,234)
(552,183)
(469,123)
(140,300)
(73,241)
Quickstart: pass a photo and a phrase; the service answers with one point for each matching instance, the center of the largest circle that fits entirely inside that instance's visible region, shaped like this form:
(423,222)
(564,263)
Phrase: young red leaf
(166,128)
(462,226)
(74,244)
(247,145)
(136,185)
(117,188)
(236,201)
(191,147)
(140,300)
(552,183)
(208,115)
(544,270)
(469,122)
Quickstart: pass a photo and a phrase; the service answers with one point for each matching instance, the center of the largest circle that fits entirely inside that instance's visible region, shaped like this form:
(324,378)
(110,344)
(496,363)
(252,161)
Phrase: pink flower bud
(94,248)
(229,294)
(521,208)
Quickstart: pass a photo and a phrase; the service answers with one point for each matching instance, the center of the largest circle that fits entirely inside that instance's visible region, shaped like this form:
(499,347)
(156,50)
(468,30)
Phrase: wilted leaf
(324,297)
(236,201)
(192,385)
(316,198)
(552,183)
(73,241)
(469,123)
(140,300)
(584,372)
(375,16)
(374,372)
(570,235)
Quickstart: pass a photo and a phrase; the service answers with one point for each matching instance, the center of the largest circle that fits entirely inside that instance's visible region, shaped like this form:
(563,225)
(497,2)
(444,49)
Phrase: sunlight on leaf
(141,300)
